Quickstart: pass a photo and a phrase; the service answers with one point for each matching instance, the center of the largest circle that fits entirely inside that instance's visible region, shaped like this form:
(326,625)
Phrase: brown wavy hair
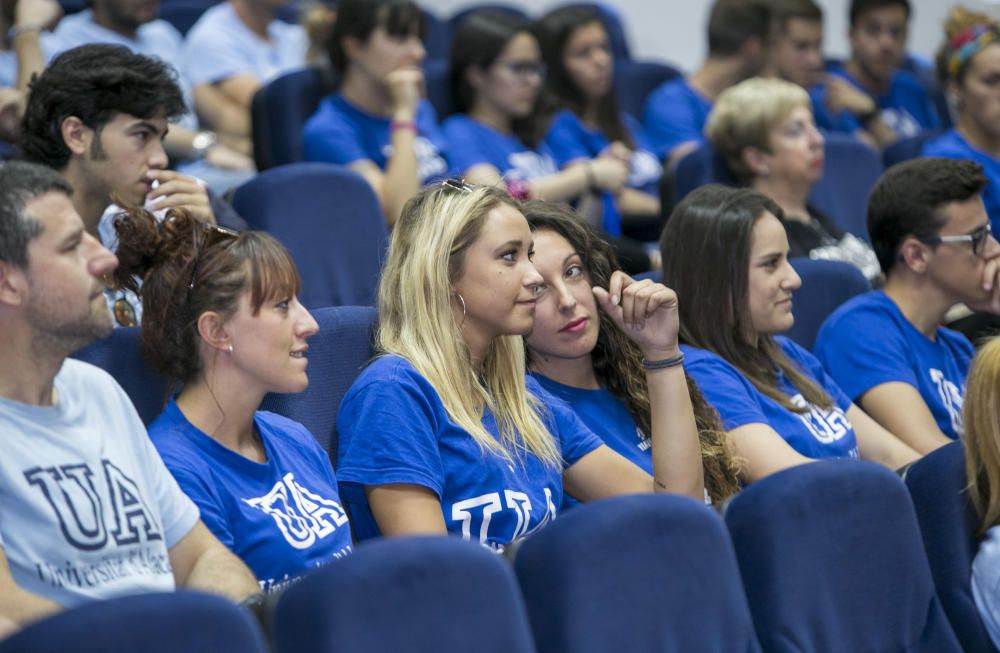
(617,360)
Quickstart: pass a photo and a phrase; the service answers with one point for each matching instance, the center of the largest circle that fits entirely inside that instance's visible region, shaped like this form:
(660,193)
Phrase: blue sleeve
(388,433)
(328,136)
(814,368)
(464,144)
(576,439)
(860,349)
(727,391)
(566,139)
(671,119)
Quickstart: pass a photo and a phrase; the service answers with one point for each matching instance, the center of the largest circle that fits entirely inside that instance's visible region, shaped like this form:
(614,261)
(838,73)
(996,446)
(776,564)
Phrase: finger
(606,304)
(616,285)
(989,275)
(177,187)
(193,203)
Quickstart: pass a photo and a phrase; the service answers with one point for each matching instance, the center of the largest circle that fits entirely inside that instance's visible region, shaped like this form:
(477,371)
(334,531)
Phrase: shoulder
(948,144)
(83,378)
(801,356)
(868,308)
(676,87)
(161,30)
(217,21)
(460,124)
(286,431)
(906,82)
(390,375)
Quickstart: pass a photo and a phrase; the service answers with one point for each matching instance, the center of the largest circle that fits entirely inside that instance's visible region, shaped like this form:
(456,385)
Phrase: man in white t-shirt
(87,509)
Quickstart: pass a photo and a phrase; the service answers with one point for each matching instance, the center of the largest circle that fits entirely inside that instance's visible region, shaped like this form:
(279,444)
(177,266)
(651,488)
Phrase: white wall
(673,30)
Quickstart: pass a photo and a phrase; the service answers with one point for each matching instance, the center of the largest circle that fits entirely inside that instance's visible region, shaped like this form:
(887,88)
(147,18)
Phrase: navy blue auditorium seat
(937,483)
(118,354)
(651,573)
(331,222)
(831,559)
(907,148)
(421,594)
(437,36)
(149,623)
(437,79)
(851,170)
(635,80)
(279,111)
(825,286)
(183,14)
(336,355)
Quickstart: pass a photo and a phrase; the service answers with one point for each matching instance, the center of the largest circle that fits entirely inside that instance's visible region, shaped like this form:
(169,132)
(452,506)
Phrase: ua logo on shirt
(951,399)
(481,509)
(826,425)
(301,515)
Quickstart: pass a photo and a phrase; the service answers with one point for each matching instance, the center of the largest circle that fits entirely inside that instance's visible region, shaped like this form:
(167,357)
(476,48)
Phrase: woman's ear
(212,330)
(755,160)
(474,77)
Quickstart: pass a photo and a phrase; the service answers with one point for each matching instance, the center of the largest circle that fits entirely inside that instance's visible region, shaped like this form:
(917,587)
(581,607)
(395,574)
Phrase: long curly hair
(617,361)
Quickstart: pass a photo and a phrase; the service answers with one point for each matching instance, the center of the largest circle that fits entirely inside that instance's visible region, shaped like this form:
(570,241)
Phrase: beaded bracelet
(664,363)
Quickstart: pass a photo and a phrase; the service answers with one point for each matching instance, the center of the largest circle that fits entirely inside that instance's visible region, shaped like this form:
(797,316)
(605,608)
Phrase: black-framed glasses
(214,234)
(977,237)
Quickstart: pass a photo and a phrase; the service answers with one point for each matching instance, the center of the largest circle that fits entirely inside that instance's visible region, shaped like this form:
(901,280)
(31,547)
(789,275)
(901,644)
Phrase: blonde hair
(744,115)
(981,415)
(416,322)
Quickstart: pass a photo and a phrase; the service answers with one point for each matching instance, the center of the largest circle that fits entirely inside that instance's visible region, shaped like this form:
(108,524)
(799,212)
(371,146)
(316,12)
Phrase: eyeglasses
(214,235)
(523,69)
(978,238)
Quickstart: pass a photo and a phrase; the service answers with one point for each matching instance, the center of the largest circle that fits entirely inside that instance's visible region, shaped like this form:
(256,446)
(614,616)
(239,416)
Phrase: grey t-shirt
(87,509)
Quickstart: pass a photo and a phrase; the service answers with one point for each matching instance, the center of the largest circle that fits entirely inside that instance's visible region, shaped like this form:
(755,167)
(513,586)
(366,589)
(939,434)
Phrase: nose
(532,278)
(305,324)
(567,302)
(158,159)
(792,280)
(992,248)
(417,50)
(101,262)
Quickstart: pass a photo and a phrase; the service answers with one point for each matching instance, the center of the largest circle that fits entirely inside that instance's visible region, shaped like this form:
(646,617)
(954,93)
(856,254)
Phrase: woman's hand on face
(618,150)
(405,90)
(645,311)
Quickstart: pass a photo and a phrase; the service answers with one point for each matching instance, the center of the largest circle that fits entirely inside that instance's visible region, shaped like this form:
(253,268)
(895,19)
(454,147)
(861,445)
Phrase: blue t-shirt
(842,121)
(394,429)
(906,108)
(675,113)
(952,145)
(282,517)
(341,133)
(818,433)
(868,341)
(570,140)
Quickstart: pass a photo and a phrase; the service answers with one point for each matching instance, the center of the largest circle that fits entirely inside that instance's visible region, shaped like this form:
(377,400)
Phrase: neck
(28,367)
(88,201)
(873,85)
(219,406)
(789,196)
(366,93)
(574,372)
(490,116)
(716,75)
(919,302)
(977,137)
(254,16)
(101,18)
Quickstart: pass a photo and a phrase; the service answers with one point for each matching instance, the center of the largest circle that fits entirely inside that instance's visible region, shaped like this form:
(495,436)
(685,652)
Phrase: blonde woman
(442,432)
(982,462)
(766,132)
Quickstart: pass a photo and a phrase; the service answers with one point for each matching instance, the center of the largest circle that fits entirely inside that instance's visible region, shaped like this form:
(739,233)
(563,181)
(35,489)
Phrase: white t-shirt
(87,509)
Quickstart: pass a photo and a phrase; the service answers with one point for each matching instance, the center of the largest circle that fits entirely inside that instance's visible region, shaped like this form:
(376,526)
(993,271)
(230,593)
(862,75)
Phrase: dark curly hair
(617,360)
(187,268)
(94,83)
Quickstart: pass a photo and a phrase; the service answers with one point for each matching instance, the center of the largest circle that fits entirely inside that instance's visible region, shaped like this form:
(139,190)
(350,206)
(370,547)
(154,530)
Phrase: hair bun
(147,243)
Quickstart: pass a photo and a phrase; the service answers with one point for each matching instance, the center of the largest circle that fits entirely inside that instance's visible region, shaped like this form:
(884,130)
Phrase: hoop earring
(461,301)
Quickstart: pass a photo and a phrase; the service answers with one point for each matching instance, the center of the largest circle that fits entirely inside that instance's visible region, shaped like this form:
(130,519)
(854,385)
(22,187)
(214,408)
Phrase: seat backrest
(336,356)
(937,484)
(150,623)
(279,111)
(652,573)
(831,560)
(459,16)
(406,594)
(907,148)
(118,354)
(437,79)
(850,172)
(695,169)
(437,36)
(331,222)
(825,286)
(183,14)
(635,80)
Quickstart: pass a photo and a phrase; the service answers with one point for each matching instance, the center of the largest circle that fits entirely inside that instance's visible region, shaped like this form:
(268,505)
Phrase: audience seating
(331,222)
(948,522)
(926,74)
(437,36)
(831,560)
(429,594)
(907,148)
(118,354)
(151,623)
(279,111)
(651,573)
(851,170)
(183,14)
(635,80)
(825,286)
(336,355)
(437,79)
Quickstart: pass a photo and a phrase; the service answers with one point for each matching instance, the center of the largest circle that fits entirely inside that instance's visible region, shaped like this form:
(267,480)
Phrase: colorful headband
(968,43)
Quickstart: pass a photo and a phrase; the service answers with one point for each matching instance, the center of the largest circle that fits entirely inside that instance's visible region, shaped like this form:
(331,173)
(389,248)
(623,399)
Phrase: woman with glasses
(968,66)
(581,111)
(223,322)
(494,137)
(726,254)
(765,131)
(443,432)
(887,348)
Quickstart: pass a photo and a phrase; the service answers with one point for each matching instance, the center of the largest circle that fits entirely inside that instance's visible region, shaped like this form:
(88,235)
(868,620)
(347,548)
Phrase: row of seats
(822,557)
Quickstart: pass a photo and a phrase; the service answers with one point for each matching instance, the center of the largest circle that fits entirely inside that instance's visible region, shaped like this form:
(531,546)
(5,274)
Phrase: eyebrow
(145,124)
(72,237)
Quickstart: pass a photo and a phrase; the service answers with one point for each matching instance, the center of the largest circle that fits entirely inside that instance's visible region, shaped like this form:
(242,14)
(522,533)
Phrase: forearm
(23,607)
(30,60)
(221,113)
(401,181)
(567,184)
(219,571)
(635,202)
(677,466)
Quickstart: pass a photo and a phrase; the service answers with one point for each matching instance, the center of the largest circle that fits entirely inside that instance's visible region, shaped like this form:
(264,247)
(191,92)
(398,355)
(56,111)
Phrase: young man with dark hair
(98,114)
(886,348)
(795,54)
(675,113)
(877,33)
(90,511)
